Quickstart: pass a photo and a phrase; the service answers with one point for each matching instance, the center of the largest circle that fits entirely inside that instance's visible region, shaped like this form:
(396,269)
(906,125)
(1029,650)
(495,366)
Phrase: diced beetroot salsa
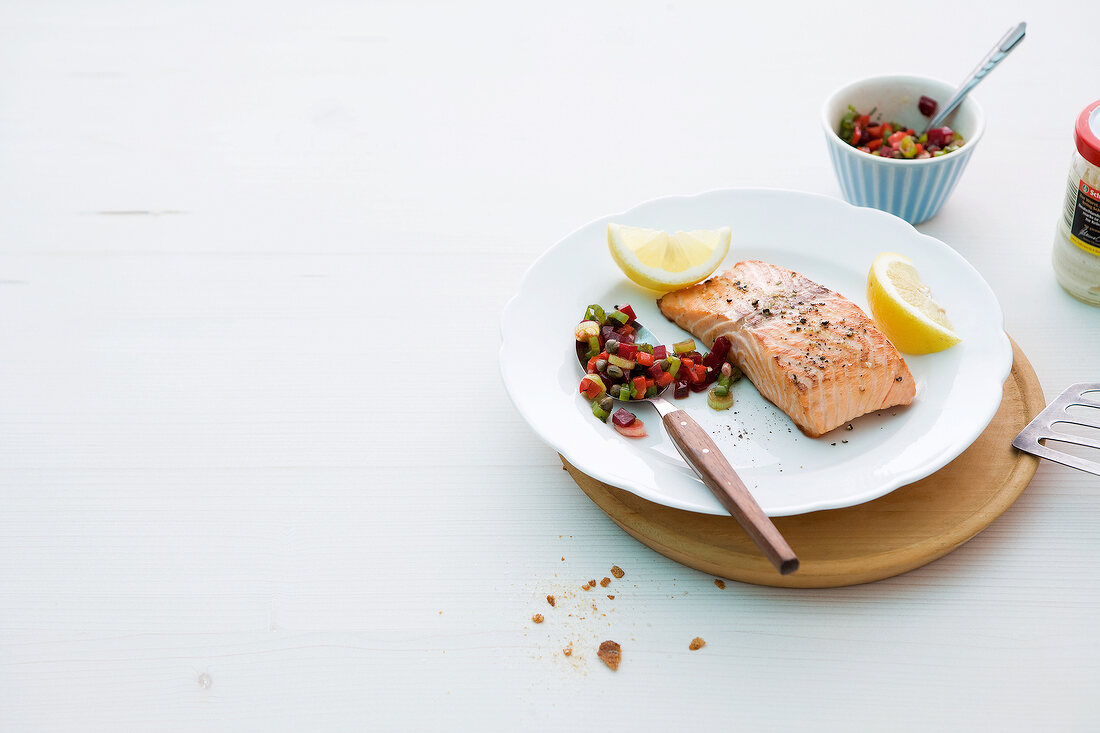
(620,368)
(623,418)
(892,140)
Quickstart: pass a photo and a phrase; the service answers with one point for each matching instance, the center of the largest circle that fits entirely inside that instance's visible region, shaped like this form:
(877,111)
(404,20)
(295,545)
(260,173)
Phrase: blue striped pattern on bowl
(911,189)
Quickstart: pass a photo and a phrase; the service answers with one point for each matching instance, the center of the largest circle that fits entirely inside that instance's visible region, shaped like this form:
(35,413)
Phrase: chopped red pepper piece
(628,351)
(664,380)
(592,387)
(639,386)
(643,359)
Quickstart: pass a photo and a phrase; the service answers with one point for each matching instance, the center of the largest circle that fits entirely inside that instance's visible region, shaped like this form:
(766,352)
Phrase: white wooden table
(232,495)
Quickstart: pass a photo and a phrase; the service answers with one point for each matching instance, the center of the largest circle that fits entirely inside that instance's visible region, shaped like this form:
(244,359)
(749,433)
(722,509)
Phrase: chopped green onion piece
(719,402)
(593,346)
(683,347)
(735,373)
(647,348)
(673,366)
(651,391)
(619,317)
(847,123)
(595,313)
(724,381)
(599,411)
(722,390)
(620,362)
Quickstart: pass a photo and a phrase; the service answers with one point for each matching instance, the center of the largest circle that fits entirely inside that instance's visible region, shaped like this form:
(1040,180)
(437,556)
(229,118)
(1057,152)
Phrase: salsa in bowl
(912,185)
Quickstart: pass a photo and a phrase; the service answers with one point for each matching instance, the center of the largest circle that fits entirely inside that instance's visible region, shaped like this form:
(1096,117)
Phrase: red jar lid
(1087,133)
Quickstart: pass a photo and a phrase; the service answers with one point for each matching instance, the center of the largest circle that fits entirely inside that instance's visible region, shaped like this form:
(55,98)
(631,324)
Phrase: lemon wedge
(903,307)
(661,261)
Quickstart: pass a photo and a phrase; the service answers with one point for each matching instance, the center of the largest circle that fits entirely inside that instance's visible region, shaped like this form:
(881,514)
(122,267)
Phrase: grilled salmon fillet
(809,350)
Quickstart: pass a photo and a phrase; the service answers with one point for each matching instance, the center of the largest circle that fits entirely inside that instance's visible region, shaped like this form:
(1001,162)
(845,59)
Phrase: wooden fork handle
(700,451)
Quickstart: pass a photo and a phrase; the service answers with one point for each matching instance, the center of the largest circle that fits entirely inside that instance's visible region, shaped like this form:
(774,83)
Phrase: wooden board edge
(847,572)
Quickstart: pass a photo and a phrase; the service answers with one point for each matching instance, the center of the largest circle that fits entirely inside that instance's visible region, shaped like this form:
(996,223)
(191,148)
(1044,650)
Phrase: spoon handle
(994,57)
(704,456)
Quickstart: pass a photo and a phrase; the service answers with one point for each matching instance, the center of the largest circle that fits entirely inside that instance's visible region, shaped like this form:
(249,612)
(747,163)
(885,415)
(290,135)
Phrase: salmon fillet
(809,350)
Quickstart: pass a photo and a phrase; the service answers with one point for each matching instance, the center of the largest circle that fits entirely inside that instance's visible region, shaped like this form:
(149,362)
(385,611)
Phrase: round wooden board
(903,530)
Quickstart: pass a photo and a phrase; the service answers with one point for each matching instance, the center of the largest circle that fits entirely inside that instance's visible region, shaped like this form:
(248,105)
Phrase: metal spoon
(991,59)
(707,460)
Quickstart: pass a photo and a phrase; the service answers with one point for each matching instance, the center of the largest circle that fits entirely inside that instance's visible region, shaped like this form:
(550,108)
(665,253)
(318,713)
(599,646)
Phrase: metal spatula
(1043,428)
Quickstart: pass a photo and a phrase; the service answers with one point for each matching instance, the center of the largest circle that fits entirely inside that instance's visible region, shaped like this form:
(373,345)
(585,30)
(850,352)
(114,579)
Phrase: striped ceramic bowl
(911,189)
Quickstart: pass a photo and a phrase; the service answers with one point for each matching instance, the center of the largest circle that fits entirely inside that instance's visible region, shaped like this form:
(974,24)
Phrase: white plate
(828,240)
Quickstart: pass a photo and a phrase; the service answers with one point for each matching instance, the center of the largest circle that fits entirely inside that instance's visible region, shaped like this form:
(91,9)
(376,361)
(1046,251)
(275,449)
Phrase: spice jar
(1077,241)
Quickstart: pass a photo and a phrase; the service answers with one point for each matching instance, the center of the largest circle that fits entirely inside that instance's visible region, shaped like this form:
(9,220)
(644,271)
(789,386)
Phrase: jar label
(1084,229)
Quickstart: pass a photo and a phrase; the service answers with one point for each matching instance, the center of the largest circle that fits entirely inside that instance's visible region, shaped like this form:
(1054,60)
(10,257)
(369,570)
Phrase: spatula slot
(1089,453)
(1088,415)
(1077,429)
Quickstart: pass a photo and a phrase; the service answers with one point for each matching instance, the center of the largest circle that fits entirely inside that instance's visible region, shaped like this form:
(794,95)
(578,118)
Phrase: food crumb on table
(568,651)
(587,586)
(611,598)
(551,600)
(696,644)
(610,653)
(538,618)
(605,582)
(717,581)
(617,571)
